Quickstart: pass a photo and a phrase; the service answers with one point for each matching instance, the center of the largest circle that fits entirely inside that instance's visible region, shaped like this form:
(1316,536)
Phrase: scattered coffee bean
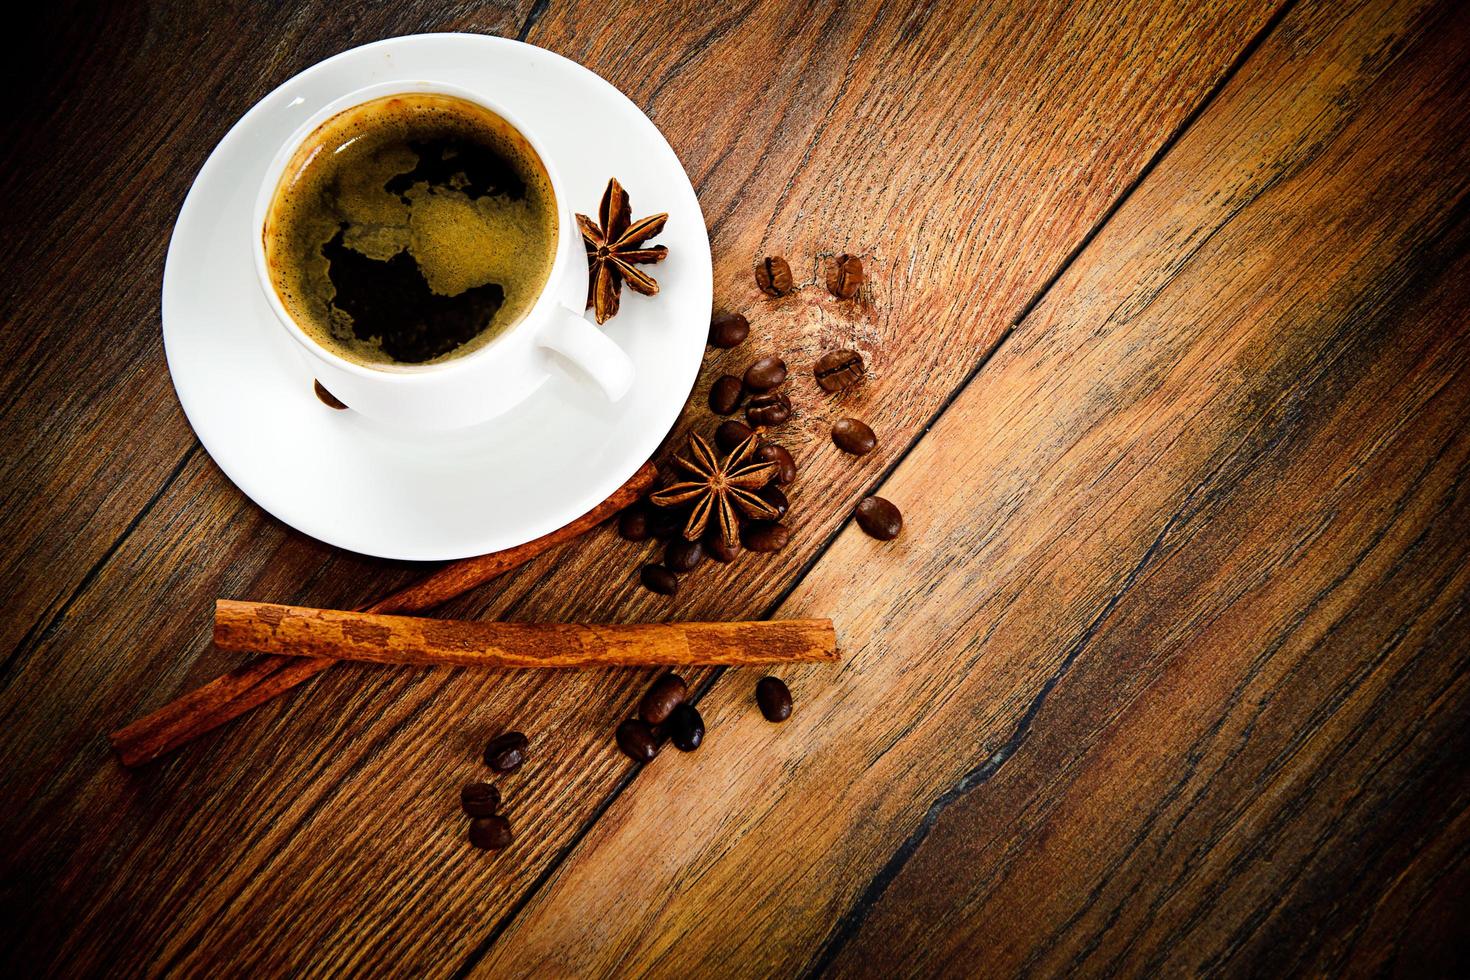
(666,694)
(765,536)
(664,522)
(728,330)
(686,728)
(638,740)
(505,753)
(480,799)
(879,518)
(490,833)
(845,277)
(683,556)
(853,436)
(327,398)
(771,408)
(773,276)
(725,394)
(657,578)
(731,434)
(839,369)
(785,464)
(634,523)
(765,374)
(716,550)
(774,698)
(772,495)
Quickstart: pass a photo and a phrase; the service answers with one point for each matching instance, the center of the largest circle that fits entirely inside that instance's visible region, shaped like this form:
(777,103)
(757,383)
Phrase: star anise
(721,490)
(614,251)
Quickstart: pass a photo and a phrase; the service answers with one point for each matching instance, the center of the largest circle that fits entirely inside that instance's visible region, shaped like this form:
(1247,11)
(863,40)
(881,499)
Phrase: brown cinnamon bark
(341,635)
(228,697)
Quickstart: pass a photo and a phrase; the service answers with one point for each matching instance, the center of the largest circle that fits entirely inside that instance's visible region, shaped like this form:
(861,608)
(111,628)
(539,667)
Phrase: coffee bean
(660,700)
(731,434)
(728,330)
(785,464)
(634,523)
(772,495)
(773,276)
(774,698)
(326,397)
(664,522)
(765,374)
(686,728)
(879,518)
(683,556)
(490,833)
(505,753)
(725,394)
(771,408)
(839,369)
(480,799)
(764,536)
(845,277)
(715,549)
(854,436)
(638,740)
(657,578)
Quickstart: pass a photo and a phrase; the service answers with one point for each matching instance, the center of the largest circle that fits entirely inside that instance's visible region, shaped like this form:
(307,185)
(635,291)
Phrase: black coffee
(411,229)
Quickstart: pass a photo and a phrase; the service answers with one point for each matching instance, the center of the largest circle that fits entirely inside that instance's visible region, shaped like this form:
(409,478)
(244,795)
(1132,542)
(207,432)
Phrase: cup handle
(582,343)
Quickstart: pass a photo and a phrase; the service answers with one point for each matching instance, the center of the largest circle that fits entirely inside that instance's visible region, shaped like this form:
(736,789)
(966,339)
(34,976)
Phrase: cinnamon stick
(227,697)
(340,635)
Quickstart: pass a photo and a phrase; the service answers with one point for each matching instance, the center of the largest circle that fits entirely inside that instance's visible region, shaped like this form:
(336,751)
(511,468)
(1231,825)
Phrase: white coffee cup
(485,382)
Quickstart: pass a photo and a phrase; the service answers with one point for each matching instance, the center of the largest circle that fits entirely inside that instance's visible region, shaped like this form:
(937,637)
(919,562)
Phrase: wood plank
(1168,673)
(929,139)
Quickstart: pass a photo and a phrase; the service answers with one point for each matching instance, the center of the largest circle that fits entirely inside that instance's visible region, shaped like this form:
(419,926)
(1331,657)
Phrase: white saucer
(336,476)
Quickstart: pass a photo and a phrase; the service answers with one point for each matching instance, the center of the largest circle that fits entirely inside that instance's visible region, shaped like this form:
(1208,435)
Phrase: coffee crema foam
(411,230)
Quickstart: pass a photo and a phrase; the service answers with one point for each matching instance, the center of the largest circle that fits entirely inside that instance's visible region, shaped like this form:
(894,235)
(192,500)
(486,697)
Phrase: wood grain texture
(296,631)
(1172,677)
(964,151)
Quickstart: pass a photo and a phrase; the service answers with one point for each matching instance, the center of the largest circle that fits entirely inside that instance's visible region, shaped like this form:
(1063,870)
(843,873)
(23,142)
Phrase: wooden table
(1167,674)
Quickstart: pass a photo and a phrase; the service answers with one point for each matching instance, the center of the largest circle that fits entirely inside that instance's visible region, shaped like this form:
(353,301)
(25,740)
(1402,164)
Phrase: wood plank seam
(853,919)
(538,10)
(1153,162)
(704,688)
(467,966)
